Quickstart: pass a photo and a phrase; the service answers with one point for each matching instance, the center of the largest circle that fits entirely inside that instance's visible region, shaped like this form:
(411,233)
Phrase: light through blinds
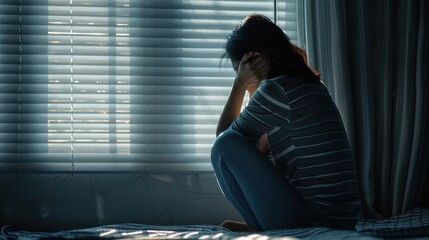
(117,85)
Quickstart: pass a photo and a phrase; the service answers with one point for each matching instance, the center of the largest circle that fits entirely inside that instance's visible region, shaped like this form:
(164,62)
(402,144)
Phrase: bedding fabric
(412,224)
(139,231)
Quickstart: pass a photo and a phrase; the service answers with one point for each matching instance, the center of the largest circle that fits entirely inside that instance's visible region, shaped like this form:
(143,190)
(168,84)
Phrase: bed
(413,224)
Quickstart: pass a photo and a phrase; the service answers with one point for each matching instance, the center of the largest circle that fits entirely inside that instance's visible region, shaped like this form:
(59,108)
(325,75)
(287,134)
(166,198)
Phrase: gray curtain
(373,57)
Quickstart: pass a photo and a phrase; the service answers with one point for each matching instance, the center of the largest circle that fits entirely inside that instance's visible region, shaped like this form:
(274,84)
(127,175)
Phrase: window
(97,85)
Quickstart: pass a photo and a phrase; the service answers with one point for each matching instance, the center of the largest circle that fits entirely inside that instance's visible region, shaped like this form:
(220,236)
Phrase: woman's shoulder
(285,78)
(294,89)
(288,83)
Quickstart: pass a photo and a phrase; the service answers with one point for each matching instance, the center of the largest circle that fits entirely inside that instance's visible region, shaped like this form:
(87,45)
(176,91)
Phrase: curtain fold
(420,135)
(373,57)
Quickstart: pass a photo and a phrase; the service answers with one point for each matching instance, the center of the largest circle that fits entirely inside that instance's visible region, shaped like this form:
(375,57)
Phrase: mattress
(141,231)
(413,224)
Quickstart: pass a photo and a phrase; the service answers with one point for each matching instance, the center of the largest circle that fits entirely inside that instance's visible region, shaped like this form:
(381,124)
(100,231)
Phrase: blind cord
(20,81)
(71,87)
(275,11)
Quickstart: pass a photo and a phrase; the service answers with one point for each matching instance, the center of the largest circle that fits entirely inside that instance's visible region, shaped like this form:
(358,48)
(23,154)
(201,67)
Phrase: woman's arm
(263,145)
(253,68)
(232,110)
(232,107)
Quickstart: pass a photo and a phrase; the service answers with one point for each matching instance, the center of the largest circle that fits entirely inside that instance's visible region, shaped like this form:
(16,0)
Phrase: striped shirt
(308,142)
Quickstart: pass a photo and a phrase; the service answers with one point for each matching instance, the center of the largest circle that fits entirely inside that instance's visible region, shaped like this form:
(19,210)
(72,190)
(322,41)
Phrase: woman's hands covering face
(253,68)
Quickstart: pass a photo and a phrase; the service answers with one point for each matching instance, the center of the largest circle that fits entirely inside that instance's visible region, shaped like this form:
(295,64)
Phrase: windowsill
(104,167)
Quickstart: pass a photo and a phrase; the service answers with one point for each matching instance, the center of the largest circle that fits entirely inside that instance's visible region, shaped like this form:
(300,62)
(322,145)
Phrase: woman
(285,160)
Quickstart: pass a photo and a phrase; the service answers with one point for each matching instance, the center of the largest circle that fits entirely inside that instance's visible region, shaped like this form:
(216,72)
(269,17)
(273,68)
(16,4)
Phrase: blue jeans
(255,187)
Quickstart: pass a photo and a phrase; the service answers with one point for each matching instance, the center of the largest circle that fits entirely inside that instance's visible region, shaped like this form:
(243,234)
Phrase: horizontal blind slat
(129,81)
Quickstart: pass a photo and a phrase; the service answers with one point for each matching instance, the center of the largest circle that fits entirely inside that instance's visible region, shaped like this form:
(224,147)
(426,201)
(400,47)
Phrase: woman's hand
(253,68)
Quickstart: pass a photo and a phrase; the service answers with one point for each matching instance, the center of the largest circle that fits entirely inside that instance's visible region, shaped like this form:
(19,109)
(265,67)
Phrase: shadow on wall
(50,202)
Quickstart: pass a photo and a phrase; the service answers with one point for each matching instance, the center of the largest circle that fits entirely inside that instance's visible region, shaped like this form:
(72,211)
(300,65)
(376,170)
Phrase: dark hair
(258,33)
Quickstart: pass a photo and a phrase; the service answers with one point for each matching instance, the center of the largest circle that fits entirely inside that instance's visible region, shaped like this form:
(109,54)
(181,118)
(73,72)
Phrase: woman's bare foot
(237,226)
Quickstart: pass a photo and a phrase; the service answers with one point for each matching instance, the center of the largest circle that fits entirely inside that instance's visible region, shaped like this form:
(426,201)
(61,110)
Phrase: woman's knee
(228,139)
(226,142)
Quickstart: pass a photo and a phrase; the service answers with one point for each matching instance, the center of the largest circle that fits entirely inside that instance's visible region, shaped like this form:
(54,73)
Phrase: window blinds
(112,85)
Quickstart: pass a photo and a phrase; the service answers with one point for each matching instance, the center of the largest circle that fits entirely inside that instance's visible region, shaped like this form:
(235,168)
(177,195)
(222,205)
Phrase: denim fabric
(255,187)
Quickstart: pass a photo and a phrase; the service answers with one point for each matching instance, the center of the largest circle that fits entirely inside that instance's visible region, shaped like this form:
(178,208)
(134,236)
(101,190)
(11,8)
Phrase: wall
(64,201)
